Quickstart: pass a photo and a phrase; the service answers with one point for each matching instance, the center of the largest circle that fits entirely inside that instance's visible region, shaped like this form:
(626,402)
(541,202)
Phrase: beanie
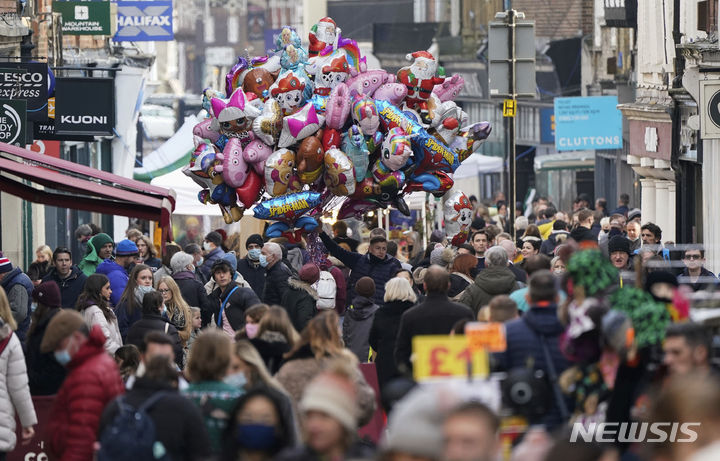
(223,234)
(365,287)
(478,223)
(126,248)
(619,243)
(437,236)
(256,239)
(100,240)
(48,294)
(309,273)
(214,237)
(62,325)
(660,277)
(334,395)
(180,261)
(5,264)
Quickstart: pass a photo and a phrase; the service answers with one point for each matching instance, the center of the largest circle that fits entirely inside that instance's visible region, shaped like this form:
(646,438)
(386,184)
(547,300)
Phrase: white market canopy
(478,164)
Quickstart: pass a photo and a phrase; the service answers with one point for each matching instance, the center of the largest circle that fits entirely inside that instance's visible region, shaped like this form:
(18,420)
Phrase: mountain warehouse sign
(144,21)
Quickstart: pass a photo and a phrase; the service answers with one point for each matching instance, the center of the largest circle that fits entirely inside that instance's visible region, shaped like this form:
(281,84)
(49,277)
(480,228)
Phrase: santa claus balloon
(322,35)
(420,78)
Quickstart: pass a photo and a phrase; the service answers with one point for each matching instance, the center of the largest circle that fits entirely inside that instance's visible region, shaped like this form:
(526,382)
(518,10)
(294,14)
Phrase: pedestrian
(277,273)
(252,320)
(695,275)
(300,299)
(14,389)
(502,308)
(533,264)
(191,289)
(196,252)
(127,358)
(41,266)
(273,337)
(250,267)
(633,231)
(91,383)
(212,248)
(557,237)
(176,309)
(18,288)
(331,287)
(435,316)
(530,247)
(83,233)
(153,320)
(45,374)
(171,249)
(129,307)
(178,422)
(147,254)
(471,433)
(399,297)
(461,274)
(117,270)
(511,251)
(229,300)
(196,322)
(208,365)
(359,319)
(99,248)
(495,279)
(69,278)
(93,305)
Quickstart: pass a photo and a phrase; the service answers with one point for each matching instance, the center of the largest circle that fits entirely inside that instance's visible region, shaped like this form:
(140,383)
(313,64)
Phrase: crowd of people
(196,353)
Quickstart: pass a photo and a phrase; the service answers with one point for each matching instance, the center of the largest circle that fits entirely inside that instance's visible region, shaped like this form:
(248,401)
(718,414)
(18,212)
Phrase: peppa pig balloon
(256,153)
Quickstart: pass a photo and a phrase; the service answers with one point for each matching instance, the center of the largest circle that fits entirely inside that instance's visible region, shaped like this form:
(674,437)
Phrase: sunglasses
(693,257)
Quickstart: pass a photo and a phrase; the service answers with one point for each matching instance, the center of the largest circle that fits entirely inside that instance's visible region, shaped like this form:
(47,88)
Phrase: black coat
(276,283)
(436,316)
(70,288)
(193,292)
(240,301)
(300,302)
(155,322)
(178,421)
(271,346)
(383,335)
(45,374)
(254,274)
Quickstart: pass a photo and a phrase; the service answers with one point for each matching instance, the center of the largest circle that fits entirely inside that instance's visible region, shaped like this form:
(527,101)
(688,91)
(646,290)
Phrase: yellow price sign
(486,336)
(446,356)
(509,108)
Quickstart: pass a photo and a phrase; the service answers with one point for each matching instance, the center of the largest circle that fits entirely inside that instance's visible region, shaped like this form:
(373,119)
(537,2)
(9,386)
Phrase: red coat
(92,381)
(419,91)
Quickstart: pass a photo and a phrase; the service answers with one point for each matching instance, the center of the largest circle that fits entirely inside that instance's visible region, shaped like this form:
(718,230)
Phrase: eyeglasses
(164,291)
(693,257)
(647,235)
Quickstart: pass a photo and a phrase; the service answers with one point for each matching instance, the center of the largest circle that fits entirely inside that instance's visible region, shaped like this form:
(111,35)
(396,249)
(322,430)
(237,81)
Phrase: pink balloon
(256,153)
(234,168)
(338,107)
(394,93)
(203,130)
(368,82)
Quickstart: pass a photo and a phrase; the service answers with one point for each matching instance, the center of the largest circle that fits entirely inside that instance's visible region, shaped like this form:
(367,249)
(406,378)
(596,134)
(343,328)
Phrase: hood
(109,266)
(361,308)
(8,279)
(300,285)
(95,345)
(184,275)
(544,320)
(496,280)
(556,233)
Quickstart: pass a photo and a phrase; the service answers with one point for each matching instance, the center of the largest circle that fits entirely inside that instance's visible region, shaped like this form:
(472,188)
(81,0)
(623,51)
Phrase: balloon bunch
(297,129)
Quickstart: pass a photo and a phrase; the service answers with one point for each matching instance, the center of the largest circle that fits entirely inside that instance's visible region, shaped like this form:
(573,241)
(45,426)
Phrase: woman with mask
(154,319)
(93,305)
(177,310)
(273,337)
(129,308)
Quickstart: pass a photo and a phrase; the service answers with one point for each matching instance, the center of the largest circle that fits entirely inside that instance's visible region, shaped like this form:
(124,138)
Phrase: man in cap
(619,250)
(19,288)
(99,248)
(212,246)
(117,270)
(91,383)
(249,266)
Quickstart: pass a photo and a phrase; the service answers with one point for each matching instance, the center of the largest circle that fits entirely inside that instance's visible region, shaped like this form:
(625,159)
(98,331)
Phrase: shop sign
(13,121)
(84,18)
(28,81)
(144,21)
(588,123)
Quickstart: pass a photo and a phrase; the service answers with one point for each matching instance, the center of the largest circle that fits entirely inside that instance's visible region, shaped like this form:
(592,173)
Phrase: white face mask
(206,246)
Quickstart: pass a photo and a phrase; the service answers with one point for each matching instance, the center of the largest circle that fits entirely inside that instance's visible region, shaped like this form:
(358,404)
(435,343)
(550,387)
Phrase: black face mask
(410,248)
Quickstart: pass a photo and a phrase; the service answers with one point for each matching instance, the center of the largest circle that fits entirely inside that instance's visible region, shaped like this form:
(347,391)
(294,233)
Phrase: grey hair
(274,249)
(496,257)
(399,289)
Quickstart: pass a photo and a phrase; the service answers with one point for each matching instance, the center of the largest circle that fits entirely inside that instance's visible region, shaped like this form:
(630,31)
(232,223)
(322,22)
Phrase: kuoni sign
(445,356)
(144,21)
(589,123)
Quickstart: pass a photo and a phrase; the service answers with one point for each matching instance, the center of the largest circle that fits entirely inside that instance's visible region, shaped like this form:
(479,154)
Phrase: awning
(47,180)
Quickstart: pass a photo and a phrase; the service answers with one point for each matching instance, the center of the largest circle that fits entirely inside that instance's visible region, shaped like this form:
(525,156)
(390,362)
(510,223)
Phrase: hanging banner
(144,21)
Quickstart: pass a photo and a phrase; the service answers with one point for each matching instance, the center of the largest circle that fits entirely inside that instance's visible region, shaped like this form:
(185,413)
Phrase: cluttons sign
(589,123)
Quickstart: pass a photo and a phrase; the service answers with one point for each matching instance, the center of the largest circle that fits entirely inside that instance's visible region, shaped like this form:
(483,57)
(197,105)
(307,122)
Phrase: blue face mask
(254,254)
(237,380)
(263,260)
(62,357)
(256,437)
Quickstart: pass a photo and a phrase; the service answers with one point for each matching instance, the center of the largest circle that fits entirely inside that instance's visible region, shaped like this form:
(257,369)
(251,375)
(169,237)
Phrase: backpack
(131,435)
(326,290)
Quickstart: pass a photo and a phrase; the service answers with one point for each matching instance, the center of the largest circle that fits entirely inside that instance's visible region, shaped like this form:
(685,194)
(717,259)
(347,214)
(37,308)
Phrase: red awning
(70,185)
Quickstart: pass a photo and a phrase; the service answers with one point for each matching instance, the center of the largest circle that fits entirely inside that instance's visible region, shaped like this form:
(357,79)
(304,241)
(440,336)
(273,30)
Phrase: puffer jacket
(14,389)
(70,287)
(276,283)
(240,300)
(490,282)
(300,302)
(356,326)
(46,375)
(93,380)
(94,316)
(19,288)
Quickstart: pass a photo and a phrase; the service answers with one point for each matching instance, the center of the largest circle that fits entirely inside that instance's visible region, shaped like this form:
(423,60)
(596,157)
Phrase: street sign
(500,57)
(709,109)
(443,356)
(587,123)
(84,18)
(13,121)
(144,21)
(509,108)
(28,81)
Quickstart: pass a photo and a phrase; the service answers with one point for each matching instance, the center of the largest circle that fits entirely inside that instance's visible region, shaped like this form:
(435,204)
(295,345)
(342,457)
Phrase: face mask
(558,272)
(236,380)
(263,260)
(410,248)
(141,291)
(258,437)
(206,246)
(62,357)
(251,329)
(200,262)
(191,268)
(254,254)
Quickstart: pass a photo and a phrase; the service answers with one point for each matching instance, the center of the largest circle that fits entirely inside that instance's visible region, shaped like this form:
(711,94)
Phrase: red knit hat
(309,273)
(5,264)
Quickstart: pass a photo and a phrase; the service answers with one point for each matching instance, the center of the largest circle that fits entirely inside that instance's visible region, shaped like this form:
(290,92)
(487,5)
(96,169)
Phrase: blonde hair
(210,356)
(322,334)
(276,319)
(152,252)
(46,250)
(246,352)
(399,289)
(177,303)
(5,311)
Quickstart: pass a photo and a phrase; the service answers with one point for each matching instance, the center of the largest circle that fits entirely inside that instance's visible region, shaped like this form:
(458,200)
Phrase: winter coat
(272,346)
(18,288)
(490,282)
(707,279)
(118,277)
(523,342)
(45,374)
(241,299)
(126,319)
(193,292)
(548,246)
(436,316)
(299,369)
(155,322)
(210,259)
(94,316)
(356,326)
(92,382)
(253,273)
(164,271)
(383,335)
(300,300)
(367,265)
(357,450)
(458,283)
(277,279)
(153,263)
(216,401)
(70,287)
(14,390)
(178,421)
(38,270)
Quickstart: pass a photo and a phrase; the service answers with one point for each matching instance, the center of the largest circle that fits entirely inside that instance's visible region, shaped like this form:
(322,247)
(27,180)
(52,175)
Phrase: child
(128,359)
(196,321)
(359,318)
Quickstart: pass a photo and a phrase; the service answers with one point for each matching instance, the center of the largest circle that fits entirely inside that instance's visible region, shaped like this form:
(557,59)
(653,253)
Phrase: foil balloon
(250,191)
(289,210)
(288,91)
(331,138)
(310,159)
(300,125)
(234,168)
(368,82)
(280,177)
(356,149)
(458,217)
(356,208)
(267,126)
(337,108)
(394,93)
(256,154)
(339,173)
(202,130)
(233,116)
(450,88)
(207,96)
(365,114)
(420,80)
(322,34)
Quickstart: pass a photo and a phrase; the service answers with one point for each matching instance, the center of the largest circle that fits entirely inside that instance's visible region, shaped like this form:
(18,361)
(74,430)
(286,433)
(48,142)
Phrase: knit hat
(334,395)
(5,264)
(180,261)
(256,239)
(619,243)
(232,259)
(437,236)
(100,240)
(126,248)
(442,256)
(48,294)
(660,277)
(309,273)
(365,287)
(634,213)
(62,325)
(214,237)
